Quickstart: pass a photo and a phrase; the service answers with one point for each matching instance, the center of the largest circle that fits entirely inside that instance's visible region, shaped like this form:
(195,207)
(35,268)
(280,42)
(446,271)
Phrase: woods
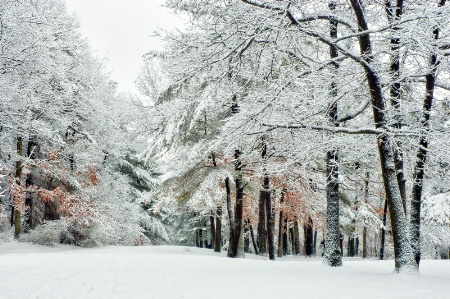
(274,128)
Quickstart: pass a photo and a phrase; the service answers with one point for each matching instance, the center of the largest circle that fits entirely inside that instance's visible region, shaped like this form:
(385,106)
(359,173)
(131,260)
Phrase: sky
(121,31)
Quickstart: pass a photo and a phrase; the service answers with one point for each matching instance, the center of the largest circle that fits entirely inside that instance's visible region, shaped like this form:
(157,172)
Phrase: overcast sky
(121,30)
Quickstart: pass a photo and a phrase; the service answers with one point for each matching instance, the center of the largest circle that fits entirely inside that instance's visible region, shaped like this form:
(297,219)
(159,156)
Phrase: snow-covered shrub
(49,234)
(435,226)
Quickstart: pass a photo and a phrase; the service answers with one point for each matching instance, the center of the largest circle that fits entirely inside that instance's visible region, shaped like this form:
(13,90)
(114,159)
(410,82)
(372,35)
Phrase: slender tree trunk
(246,238)
(270,221)
(366,200)
(280,228)
(332,251)
(309,238)
(422,152)
(32,149)
(218,238)
(315,243)
(262,232)
(213,229)
(19,172)
(269,213)
(253,238)
(237,227)
(402,245)
(285,237)
(297,238)
(291,236)
(383,230)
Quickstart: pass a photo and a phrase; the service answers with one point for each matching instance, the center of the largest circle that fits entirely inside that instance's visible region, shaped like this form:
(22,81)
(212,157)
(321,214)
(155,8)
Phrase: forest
(274,128)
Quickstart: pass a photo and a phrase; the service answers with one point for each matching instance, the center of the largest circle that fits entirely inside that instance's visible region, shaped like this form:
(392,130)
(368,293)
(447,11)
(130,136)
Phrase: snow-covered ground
(30,271)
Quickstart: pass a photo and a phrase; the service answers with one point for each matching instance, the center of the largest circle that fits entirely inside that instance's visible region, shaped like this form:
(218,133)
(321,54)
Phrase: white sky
(121,30)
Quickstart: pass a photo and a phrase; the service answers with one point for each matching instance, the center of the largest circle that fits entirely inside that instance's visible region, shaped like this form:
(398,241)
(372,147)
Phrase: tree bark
(315,243)
(296,236)
(32,149)
(213,228)
(366,200)
(270,221)
(236,228)
(309,238)
(422,152)
(253,239)
(383,230)
(218,237)
(402,245)
(332,250)
(19,172)
(269,213)
(280,228)
(262,232)
(394,15)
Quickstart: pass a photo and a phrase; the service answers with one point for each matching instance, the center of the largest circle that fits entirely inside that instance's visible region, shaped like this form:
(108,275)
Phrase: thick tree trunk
(402,245)
(332,250)
(383,230)
(422,152)
(394,15)
(218,237)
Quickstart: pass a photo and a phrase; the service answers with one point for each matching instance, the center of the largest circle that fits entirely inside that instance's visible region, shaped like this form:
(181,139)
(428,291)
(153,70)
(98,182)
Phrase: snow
(30,271)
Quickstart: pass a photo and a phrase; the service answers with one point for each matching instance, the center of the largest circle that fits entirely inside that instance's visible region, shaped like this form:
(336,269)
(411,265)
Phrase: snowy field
(29,271)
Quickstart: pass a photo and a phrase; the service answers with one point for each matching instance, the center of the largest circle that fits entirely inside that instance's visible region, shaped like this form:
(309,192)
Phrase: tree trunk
(383,230)
(19,172)
(237,228)
(364,253)
(200,237)
(402,245)
(366,200)
(270,221)
(218,237)
(32,149)
(291,238)
(332,251)
(269,213)
(315,243)
(246,238)
(309,238)
(213,229)
(262,232)
(422,152)
(285,237)
(394,15)
(229,207)
(296,236)
(253,239)
(280,228)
